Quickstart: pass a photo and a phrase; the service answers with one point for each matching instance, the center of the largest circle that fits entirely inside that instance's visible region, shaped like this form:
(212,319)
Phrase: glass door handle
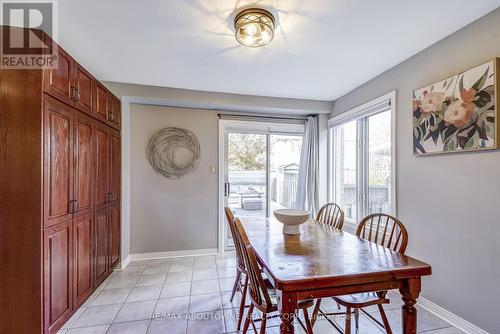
(227,188)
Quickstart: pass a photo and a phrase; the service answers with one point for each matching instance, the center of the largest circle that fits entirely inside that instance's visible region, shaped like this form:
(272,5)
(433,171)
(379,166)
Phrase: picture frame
(459,113)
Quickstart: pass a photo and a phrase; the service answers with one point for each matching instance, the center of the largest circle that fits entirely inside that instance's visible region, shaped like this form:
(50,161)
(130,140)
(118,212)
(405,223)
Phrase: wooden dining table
(324,262)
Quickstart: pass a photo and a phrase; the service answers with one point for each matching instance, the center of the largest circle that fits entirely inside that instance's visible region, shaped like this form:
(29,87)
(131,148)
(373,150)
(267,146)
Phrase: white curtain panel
(307,189)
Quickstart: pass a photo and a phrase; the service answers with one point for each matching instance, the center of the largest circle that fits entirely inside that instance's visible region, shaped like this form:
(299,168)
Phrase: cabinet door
(101,246)
(115,112)
(83,89)
(114,235)
(57,276)
(58,162)
(82,259)
(58,80)
(83,164)
(101,107)
(115,153)
(102,165)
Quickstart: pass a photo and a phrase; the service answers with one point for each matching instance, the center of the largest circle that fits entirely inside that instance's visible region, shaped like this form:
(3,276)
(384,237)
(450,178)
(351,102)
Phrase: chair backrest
(230,220)
(384,230)
(258,290)
(331,214)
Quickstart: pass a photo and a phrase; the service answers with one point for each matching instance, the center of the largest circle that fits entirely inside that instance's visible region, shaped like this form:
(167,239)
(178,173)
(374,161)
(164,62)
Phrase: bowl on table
(291,219)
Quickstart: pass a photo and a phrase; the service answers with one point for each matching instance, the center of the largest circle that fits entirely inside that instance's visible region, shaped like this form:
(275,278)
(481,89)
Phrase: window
(361,170)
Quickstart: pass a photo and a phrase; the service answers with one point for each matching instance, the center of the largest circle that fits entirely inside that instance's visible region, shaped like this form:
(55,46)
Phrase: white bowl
(291,219)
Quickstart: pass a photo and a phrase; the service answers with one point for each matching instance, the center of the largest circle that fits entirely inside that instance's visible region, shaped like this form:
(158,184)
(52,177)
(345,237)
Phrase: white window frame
(360,114)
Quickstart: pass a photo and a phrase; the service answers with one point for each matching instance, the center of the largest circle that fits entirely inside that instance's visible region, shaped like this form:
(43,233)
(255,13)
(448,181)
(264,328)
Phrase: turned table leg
(410,291)
(287,306)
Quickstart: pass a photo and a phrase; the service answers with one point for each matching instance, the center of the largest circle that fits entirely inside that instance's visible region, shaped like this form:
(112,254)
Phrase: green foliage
(247,152)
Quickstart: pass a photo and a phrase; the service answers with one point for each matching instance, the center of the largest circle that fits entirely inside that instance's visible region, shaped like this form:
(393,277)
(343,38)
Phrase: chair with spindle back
(331,214)
(388,232)
(262,295)
(240,267)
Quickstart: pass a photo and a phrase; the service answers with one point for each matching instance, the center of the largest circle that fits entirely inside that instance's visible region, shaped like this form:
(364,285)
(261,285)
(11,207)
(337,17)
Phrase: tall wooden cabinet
(59,192)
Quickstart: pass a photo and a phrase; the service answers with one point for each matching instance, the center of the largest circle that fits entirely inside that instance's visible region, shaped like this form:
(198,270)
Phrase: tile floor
(196,290)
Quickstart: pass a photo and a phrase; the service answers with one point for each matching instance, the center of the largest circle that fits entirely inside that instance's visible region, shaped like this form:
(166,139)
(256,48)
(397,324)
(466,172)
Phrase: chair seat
(358,300)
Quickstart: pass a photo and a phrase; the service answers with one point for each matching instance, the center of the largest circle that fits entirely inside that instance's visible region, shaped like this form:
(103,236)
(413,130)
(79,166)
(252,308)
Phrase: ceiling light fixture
(254,27)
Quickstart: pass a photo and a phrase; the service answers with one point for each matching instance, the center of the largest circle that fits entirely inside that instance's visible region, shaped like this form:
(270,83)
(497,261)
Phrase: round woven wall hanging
(174,152)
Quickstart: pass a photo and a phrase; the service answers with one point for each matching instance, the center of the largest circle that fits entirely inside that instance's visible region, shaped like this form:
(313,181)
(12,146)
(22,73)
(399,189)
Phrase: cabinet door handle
(110,197)
(71,206)
(77,95)
(72,93)
(77,206)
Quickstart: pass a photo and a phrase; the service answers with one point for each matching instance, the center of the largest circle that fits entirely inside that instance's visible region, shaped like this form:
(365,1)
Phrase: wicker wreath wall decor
(162,150)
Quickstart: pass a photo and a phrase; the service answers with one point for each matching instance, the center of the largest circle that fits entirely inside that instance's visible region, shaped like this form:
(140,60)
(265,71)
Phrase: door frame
(245,126)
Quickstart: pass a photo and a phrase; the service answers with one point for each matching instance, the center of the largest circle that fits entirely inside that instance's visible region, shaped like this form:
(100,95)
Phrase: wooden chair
(262,295)
(386,231)
(240,267)
(331,214)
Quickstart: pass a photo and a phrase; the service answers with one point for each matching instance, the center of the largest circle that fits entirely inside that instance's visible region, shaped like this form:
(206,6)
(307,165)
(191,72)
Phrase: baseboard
(449,317)
(170,254)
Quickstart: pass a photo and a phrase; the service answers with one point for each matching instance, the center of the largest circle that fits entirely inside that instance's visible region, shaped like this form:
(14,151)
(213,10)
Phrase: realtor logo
(22,42)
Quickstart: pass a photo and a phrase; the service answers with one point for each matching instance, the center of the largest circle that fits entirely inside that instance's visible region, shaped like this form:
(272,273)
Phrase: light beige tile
(112,296)
(97,315)
(226,284)
(144,293)
(178,277)
(156,268)
(448,330)
(135,327)
(180,266)
(73,318)
(89,330)
(170,326)
(167,306)
(151,280)
(226,272)
(205,303)
(203,287)
(211,322)
(204,274)
(136,311)
(176,289)
(120,283)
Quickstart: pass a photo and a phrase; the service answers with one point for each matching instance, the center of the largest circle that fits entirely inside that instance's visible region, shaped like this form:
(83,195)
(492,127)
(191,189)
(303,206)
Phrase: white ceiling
(322,50)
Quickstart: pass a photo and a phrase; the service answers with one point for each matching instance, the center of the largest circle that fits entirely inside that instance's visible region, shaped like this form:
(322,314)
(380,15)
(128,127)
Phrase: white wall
(450,203)
(165,214)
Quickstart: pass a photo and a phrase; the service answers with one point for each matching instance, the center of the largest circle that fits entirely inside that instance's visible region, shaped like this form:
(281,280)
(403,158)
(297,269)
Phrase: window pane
(284,170)
(345,184)
(379,163)
(247,160)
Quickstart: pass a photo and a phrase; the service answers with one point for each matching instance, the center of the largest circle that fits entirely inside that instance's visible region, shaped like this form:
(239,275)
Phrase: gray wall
(450,203)
(172,215)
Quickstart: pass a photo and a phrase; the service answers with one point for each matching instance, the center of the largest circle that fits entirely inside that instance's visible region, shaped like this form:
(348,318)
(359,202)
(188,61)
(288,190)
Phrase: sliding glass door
(260,171)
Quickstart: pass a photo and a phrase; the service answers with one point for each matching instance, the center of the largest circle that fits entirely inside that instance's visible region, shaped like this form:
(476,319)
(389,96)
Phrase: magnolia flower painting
(459,113)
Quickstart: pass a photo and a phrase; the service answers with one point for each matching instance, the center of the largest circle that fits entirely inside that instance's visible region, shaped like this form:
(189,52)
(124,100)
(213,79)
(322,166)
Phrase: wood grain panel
(20,201)
(114,234)
(102,165)
(101,249)
(84,164)
(82,259)
(58,161)
(101,106)
(57,274)
(115,163)
(115,110)
(58,81)
(84,84)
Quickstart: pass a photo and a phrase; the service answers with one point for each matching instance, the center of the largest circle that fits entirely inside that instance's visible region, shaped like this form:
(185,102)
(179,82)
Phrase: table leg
(410,291)
(287,306)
